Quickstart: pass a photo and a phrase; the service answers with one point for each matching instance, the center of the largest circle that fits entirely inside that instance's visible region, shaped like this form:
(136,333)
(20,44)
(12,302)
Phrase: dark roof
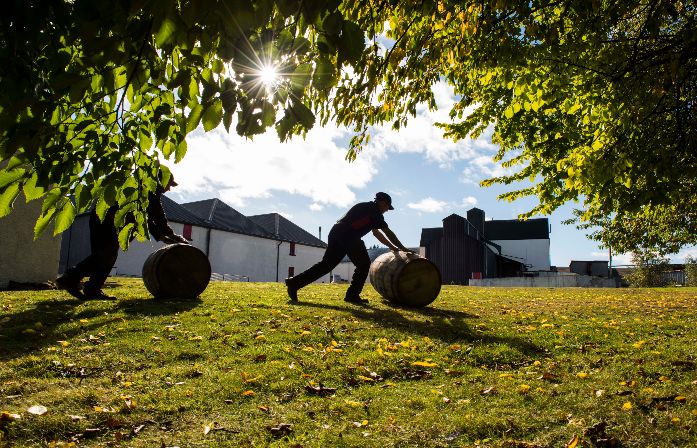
(429,235)
(177,213)
(218,215)
(515,229)
(287,230)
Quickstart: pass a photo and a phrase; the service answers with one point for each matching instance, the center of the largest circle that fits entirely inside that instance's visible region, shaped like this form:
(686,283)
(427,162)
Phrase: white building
(263,248)
(524,241)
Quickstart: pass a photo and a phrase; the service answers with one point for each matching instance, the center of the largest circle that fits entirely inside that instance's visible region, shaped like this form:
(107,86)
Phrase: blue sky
(309,181)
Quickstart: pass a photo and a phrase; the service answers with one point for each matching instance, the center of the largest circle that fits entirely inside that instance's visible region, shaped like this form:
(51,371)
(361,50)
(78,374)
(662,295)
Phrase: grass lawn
(515,368)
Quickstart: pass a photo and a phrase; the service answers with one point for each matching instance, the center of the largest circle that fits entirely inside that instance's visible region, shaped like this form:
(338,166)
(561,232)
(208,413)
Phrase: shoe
(292,290)
(355,299)
(71,286)
(97,295)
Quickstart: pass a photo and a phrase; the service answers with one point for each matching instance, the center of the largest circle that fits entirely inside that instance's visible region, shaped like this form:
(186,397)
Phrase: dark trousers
(337,248)
(104,244)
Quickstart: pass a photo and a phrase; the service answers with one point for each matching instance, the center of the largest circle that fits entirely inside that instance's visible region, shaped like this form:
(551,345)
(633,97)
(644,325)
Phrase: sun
(268,75)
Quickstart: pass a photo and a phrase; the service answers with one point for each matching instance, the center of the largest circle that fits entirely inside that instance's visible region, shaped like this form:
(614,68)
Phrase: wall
(533,253)
(130,263)
(551,281)
(230,253)
(22,259)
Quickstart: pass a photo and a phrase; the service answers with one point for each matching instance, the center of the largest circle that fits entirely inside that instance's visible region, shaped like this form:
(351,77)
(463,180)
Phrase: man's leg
(105,250)
(360,258)
(332,257)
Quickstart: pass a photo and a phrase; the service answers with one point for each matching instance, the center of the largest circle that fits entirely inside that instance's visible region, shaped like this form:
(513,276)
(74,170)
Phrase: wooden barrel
(176,271)
(405,279)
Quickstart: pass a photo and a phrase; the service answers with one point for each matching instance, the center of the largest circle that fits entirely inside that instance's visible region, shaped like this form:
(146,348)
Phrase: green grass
(243,367)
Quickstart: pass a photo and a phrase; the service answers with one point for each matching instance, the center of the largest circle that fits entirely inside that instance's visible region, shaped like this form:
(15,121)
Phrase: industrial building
(474,248)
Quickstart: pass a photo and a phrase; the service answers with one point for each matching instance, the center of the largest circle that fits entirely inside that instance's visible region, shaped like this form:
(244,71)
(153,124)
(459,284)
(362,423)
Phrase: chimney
(277,223)
(320,233)
(476,217)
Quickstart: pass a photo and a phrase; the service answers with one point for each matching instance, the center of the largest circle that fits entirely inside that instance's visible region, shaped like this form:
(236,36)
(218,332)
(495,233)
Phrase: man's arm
(157,222)
(389,239)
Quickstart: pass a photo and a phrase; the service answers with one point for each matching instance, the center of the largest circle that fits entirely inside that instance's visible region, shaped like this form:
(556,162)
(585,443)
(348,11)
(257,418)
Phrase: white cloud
(617,259)
(468,201)
(237,170)
(428,205)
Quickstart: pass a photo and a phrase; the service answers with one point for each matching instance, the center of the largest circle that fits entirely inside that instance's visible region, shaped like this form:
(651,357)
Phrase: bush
(690,271)
(648,270)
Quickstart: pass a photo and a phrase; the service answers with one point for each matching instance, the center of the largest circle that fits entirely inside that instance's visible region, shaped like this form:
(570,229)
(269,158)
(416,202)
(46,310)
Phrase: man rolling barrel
(104,245)
(345,239)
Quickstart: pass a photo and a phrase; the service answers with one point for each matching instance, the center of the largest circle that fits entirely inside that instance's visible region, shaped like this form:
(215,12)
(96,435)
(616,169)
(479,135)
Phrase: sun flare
(268,75)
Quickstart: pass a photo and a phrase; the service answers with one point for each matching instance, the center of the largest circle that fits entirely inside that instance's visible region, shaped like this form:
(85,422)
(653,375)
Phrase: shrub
(690,271)
(648,270)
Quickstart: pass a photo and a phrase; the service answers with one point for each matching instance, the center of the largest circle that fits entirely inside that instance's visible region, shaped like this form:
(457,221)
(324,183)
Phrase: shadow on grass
(27,331)
(445,325)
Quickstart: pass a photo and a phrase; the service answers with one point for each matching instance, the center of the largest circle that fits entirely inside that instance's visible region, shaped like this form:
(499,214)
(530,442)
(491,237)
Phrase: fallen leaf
(6,416)
(248,393)
(573,443)
(582,375)
(37,410)
(282,429)
(627,406)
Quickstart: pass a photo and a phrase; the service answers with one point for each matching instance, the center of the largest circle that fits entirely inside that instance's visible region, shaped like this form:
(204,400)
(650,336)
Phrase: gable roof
(284,229)
(515,229)
(218,215)
(177,213)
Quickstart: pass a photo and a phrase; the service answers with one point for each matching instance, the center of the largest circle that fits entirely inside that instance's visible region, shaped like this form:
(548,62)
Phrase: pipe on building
(278,255)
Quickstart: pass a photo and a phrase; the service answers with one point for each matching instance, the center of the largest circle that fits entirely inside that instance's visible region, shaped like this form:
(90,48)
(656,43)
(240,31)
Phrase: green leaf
(125,235)
(7,198)
(51,199)
(8,177)
(166,31)
(227,120)
(31,190)
(43,222)
(64,218)
(145,141)
(212,115)
(324,76)
(351,43)
(303,115)
(180,151)
(194,118)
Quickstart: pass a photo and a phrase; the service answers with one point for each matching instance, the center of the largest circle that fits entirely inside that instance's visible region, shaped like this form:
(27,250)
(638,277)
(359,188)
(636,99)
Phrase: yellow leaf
(680,398)
(627,406)
(84,321)
(64,343)
(248,393)
(523,388)
(365,378)
(424,364)
(353,404)
(582,375)
(663,378)
(573,443)
(305,333)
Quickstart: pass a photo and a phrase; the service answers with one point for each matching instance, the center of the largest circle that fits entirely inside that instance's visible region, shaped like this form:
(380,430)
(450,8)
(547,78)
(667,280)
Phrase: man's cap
(380,196)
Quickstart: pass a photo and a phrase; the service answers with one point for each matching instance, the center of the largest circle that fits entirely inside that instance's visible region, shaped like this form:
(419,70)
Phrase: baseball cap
(380,196)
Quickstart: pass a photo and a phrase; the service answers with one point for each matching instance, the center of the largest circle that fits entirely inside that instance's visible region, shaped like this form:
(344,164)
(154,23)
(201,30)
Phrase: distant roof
(515,229)
(177,213)
(218,215)
(429,235)
(287,230)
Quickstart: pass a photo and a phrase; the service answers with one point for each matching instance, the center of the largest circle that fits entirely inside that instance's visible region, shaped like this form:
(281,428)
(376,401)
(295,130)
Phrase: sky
(309,181)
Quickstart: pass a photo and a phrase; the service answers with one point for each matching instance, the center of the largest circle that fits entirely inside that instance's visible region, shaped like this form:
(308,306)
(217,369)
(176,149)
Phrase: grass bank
(243,367)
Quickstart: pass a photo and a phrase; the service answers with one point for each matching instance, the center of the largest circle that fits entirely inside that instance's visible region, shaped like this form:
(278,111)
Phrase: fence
(674,277)
(229,277)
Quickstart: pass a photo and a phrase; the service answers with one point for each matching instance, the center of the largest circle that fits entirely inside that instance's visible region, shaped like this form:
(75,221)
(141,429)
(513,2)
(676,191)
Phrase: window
(291,271)
(292,249)
(186,233)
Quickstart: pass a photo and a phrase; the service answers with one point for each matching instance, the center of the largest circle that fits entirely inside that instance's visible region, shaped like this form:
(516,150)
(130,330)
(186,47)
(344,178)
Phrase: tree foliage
(591,101)
(648,270)
(95,93)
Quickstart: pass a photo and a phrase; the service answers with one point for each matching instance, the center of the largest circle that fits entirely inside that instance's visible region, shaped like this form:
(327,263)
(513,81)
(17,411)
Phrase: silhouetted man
(345,239)
(104,244)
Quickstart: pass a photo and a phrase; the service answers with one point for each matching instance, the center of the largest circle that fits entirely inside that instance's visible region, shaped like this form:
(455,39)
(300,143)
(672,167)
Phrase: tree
(648,270)
(591,101)
(94,93)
